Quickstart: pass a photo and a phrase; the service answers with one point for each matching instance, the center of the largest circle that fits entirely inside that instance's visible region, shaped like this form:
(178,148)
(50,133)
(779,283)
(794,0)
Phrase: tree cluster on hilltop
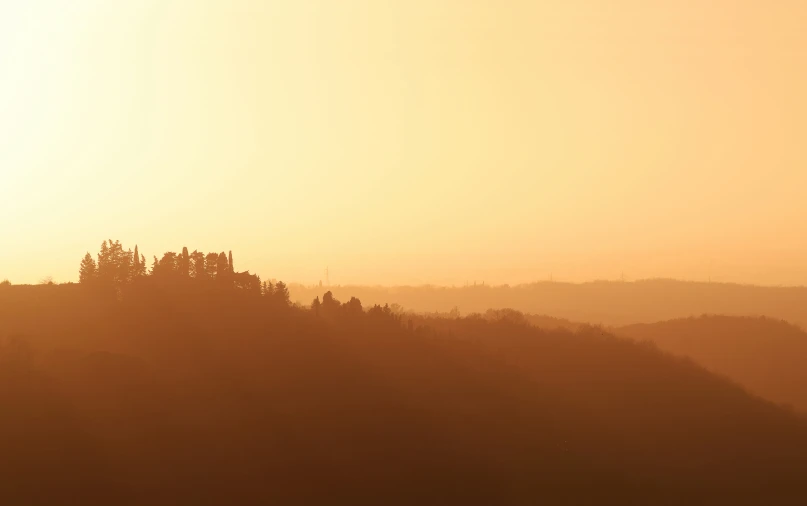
(331,308)
(117,267)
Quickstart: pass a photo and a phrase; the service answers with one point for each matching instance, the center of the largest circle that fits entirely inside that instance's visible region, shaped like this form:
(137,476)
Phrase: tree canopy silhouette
(117,268)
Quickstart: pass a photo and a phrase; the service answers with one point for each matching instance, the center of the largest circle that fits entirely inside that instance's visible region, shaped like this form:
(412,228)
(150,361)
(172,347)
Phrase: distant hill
(188,395)
(601,302)
(767,356)
(492,315)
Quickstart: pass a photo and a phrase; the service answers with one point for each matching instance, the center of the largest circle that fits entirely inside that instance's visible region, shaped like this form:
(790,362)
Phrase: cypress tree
(87,271)
(136,263)
(184,262)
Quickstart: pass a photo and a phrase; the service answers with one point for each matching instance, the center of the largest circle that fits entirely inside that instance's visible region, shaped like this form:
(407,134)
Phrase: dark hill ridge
(768,356)
(609,303)
(182,396)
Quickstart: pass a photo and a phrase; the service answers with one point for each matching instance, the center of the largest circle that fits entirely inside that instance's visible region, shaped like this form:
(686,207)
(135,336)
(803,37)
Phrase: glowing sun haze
(409,141)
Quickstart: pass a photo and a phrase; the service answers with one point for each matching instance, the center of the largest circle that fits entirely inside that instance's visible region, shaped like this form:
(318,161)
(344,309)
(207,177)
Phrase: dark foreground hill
(599,302)
(183,395)
(768,356)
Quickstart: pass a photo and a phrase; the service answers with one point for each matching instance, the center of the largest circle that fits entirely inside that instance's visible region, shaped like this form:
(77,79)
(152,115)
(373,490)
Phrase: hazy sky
(410,141)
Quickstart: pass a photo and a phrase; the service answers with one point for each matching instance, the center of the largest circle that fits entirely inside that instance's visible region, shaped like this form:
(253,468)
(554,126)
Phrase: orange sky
(409,141)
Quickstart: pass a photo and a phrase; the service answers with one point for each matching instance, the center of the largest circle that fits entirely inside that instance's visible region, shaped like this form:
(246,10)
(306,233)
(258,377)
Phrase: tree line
(117,267)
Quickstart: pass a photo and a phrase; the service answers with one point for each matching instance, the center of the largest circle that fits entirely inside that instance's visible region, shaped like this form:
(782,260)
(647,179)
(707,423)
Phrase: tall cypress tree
(136,264)
(184,263)
(88,271)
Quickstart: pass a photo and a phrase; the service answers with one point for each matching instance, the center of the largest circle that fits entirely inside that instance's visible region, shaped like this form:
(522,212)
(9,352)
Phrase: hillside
(602,302)
(765,355)
(178,394)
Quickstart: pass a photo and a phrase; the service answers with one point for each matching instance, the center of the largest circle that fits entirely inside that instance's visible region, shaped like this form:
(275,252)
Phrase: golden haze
(409,142)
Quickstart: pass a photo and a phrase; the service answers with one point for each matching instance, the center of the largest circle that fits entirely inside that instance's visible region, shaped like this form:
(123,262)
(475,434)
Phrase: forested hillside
(186,392)
(767,356)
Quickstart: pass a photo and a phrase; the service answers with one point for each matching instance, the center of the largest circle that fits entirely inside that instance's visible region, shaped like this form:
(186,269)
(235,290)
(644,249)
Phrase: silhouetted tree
(139,264)
(184,263)
(222,268)
(281,294)
(198,265)
(330,305)
(353,306)
(329,301)
(114,264)
(211,263)
(88,271)
(105,266)
(125,260)
(168,264)
(135,263)
(315,306)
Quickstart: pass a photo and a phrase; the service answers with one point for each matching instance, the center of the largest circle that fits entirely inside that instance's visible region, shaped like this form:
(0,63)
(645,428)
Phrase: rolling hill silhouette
(181,393)
(763,354)
(611,303)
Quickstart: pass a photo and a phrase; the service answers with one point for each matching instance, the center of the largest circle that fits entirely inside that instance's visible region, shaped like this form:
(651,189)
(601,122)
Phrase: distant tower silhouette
(327,277)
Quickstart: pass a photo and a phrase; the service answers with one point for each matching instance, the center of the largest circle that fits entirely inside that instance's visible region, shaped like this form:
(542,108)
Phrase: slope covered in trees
(205,393)
(767,356)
